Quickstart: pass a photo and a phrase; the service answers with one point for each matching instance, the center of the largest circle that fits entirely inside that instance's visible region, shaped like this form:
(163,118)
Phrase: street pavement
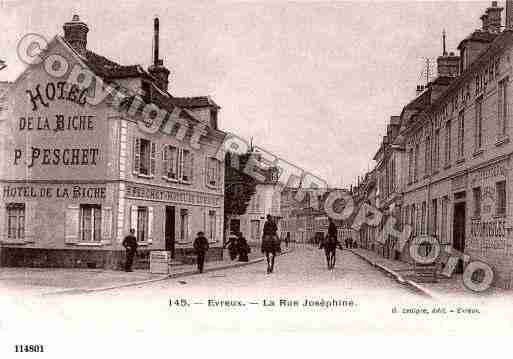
(246,299)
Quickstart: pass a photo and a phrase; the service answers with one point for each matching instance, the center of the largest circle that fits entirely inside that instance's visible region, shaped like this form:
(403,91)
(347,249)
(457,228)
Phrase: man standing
(270,242)
(130,244)
(201,247)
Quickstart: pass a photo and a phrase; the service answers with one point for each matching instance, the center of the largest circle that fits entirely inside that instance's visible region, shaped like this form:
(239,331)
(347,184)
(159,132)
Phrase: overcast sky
(314,83)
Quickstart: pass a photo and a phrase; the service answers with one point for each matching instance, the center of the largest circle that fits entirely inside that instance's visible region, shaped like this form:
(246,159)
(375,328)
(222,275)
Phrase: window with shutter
(106,223)
(133,218)
(72,224)
(136,155)
(150,224)
(153,158)
(165,161)
(187,166)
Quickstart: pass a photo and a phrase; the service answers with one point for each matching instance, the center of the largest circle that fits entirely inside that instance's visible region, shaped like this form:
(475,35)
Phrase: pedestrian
(270,242)
(200,247)
(330,244)
(243,247)
(233,247)
(130,244)
(287,239)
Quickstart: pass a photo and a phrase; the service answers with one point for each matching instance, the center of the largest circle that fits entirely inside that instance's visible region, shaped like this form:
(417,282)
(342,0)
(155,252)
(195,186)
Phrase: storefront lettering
(57,123)
(56,91)
(58,156)
(61,192)
(171,196)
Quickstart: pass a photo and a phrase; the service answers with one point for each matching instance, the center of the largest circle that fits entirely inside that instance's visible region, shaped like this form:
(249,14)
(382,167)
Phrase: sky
(315,83)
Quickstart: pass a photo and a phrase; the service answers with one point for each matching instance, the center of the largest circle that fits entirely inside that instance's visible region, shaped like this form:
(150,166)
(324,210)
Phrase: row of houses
(444,166)
(75,177)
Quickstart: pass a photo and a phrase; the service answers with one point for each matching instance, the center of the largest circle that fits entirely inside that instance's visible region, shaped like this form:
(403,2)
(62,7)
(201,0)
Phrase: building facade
(76,177)
(453,153)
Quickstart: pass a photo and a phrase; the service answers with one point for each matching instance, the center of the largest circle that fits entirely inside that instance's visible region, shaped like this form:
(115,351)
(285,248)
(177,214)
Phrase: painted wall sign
(42,95)
(153,194)
(497,170)
(11,192)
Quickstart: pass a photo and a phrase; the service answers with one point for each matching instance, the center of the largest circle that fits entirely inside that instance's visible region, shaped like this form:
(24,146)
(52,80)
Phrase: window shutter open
(150,224)
(219,228)
(72,229)
(106,223)
(133,218)
(180,164)
(153,158)
(136,155)
(218,173)
(191,166)
(31,221)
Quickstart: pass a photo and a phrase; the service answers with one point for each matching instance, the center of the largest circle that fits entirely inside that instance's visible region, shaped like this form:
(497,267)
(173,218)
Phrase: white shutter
(205,221)
(106,223)
(218,173)
(153,158)
(219,227)
(150,224)
(136,155)
(3,222)
(180,164)
(72,224)
(31,221)
(133,218)
(165,161)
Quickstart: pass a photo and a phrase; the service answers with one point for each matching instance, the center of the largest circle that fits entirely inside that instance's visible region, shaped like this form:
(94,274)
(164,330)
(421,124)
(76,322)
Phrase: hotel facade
(76,177)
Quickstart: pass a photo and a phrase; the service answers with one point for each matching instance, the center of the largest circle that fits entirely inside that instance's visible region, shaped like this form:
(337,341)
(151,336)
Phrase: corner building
(74,178)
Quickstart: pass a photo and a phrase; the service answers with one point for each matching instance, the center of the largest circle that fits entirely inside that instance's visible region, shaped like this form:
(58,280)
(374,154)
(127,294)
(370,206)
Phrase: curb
(407,282)
(165,277)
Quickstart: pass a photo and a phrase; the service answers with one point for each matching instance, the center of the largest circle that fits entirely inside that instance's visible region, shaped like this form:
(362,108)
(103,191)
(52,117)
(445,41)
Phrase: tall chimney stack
(509,14)
(494,18)
(156,41)
(158,70)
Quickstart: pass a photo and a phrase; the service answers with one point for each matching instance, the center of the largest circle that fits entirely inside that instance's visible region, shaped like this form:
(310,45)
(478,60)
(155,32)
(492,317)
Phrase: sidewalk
(404,274)
(53,281)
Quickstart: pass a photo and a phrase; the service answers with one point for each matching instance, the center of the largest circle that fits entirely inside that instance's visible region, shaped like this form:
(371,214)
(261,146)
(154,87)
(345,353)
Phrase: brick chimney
(448,65)
(158,70)
(75,34)
(494,18)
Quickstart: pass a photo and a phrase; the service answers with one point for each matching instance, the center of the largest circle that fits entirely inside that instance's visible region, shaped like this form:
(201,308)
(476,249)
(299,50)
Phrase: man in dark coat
(243,248)
(200,247)
(330,244)
(130,244)
(270,242)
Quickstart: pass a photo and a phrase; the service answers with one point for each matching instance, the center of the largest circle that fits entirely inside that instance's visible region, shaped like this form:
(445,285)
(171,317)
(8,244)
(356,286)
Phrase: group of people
(238,247)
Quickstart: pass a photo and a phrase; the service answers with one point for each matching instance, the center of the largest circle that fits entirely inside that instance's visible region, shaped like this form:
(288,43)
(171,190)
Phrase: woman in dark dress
(243,248)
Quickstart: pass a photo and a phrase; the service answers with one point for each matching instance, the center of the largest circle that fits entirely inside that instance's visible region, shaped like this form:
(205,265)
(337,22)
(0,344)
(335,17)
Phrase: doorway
(458,242)
(170,230)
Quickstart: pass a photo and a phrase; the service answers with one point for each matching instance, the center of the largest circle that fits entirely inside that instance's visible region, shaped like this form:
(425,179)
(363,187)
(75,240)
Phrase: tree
(239,187)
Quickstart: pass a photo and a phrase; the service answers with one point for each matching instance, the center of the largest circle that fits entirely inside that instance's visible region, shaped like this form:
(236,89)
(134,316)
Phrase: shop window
(142,223)
(184,225)
(500,188)
(144,154)
(90,222)
(213,172)
(477,202)
(15,220)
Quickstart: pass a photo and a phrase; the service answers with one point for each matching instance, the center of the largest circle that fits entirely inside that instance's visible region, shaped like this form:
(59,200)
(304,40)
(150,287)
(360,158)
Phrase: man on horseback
(270,242)
(330,244)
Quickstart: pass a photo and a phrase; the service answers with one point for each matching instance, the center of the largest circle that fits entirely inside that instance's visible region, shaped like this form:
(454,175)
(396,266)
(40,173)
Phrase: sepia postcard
(178,176)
